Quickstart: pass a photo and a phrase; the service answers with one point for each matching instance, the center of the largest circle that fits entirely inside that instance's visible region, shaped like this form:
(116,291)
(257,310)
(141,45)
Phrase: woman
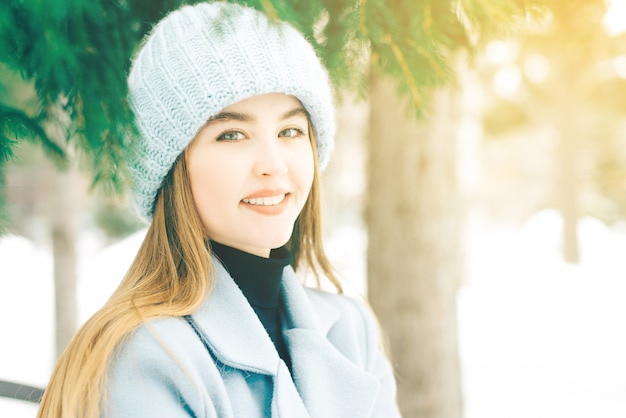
(235,118)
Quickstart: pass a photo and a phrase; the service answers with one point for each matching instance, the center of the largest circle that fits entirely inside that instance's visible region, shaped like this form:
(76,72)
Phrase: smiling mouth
(265,201)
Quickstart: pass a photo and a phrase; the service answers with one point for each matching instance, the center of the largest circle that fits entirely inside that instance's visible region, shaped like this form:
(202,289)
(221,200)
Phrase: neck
(259,252)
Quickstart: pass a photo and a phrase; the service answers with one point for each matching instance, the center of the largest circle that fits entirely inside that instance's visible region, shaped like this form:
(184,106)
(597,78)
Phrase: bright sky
(615,18)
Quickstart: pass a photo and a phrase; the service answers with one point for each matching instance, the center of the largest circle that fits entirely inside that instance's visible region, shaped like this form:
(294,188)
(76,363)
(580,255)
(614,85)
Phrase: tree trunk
(567,178)
(62,217)
(414,257)
(61,204)
(568,197)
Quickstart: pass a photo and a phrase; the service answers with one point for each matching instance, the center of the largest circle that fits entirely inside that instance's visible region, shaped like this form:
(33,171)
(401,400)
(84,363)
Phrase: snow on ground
(538,338)
(26,319)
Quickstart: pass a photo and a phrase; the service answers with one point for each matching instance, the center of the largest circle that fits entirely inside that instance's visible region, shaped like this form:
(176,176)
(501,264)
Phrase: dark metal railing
(20,391)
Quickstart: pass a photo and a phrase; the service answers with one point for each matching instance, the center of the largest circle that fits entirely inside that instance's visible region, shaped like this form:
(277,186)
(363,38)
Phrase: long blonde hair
(171,275)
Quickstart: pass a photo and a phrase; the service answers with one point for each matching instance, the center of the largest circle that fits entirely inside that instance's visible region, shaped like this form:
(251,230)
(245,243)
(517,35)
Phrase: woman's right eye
(230,136)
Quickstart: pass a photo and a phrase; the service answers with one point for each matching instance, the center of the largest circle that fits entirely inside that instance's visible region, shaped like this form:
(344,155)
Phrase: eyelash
(221,137)
(298,132)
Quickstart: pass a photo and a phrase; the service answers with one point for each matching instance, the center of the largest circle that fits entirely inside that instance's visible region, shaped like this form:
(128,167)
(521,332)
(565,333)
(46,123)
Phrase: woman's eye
(230,136)
(291,133)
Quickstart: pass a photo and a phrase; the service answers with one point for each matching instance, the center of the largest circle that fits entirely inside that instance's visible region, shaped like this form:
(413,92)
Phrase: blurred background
(476,193)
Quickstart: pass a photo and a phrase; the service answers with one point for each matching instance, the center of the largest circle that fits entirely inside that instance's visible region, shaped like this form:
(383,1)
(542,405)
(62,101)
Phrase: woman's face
(251,170)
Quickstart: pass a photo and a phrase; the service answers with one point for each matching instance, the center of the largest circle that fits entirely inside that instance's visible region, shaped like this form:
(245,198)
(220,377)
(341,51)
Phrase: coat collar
(330,384)
(300,312)
(322,375)
(229,324)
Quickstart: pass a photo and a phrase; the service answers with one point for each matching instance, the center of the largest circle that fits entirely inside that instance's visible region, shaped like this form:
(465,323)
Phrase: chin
(274,242)
(277,244)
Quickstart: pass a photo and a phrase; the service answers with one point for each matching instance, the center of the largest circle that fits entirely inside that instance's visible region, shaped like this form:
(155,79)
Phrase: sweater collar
(258,277)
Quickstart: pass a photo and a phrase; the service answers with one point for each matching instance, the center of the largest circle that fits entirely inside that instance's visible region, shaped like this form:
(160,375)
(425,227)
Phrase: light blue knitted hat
(199,60)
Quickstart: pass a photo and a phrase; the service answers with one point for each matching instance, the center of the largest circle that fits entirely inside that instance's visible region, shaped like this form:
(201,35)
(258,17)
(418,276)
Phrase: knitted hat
(199,60)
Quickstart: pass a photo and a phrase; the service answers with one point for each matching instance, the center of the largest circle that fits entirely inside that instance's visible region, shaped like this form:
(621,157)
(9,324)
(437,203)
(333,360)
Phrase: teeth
(266,201)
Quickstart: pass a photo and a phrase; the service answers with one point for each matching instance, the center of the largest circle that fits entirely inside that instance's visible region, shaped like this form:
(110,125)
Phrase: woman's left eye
(291,133)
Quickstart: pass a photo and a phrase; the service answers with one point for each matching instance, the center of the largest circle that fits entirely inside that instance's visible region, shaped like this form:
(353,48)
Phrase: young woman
(235,120)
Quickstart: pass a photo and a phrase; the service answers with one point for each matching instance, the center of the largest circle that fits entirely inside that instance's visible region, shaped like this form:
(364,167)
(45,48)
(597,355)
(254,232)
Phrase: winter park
(475,197)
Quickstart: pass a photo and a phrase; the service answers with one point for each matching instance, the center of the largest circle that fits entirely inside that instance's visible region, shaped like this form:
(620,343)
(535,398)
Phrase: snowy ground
(539,338)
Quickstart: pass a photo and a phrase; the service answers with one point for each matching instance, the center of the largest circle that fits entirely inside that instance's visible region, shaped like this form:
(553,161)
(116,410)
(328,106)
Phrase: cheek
(208,187)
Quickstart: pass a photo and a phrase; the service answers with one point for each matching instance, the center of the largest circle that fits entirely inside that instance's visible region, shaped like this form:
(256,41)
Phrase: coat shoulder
(349,308)
(153,372)
(357,334)
(355,330)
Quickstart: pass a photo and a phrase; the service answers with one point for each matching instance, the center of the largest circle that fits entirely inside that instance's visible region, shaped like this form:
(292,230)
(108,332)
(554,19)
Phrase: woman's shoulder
(159,342)
(352,306)
(353,316)
(154,370)
(162,348)
(153,330)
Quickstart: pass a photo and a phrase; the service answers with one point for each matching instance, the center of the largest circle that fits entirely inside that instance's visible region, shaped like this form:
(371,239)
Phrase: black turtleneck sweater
(259,279)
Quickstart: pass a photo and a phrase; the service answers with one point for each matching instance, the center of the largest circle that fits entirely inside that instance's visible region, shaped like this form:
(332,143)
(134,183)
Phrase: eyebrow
(294,112)
(242,117)
(246,117)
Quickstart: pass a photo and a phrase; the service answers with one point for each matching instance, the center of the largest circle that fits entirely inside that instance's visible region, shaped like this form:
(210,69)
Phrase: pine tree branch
(269,9)
(23,126)
(408,75)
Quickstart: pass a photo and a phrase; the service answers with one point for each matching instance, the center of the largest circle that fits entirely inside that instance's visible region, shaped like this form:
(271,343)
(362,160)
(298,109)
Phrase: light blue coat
(165,370)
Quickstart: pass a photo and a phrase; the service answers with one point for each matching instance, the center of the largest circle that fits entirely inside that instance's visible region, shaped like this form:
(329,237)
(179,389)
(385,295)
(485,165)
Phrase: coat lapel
(236,338)
(230,324)
(329,383)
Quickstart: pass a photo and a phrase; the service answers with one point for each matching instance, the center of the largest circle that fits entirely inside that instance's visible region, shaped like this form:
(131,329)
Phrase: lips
(265,201)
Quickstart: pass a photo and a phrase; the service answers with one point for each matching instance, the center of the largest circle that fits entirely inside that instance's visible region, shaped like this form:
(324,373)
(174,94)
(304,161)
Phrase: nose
(271,158)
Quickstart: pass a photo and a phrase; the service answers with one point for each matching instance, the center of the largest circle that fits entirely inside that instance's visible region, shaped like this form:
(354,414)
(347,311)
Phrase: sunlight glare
(536,68)
(507,81)
(619,65)
(615,17)
(501,52)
